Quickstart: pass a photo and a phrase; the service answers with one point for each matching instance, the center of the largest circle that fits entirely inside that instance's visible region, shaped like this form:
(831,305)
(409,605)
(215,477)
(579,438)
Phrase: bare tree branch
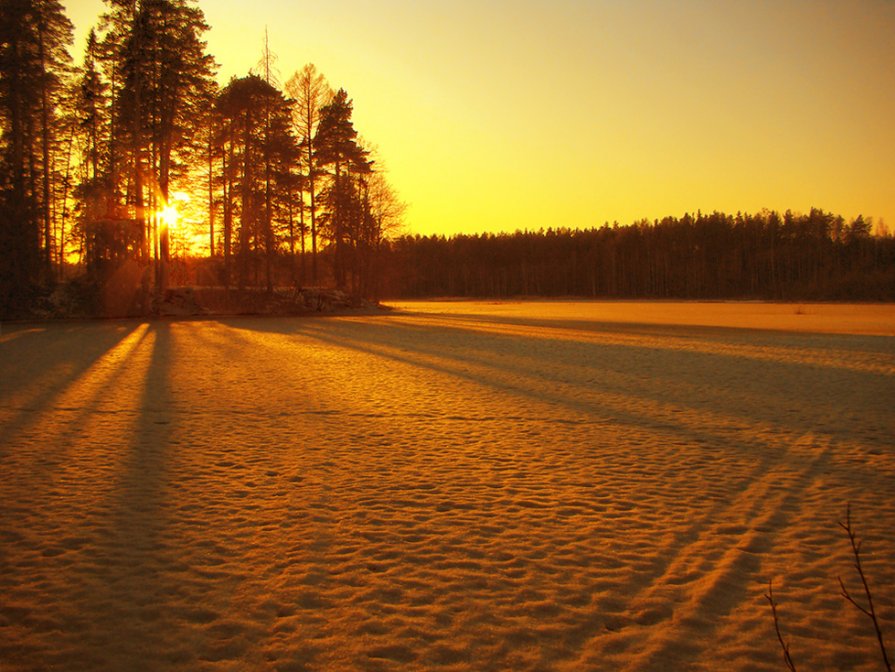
(869,611)
(786,657)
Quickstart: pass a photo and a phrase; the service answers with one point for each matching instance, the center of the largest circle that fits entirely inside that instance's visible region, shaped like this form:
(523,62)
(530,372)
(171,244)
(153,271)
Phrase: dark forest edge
(770,256)
(92,159)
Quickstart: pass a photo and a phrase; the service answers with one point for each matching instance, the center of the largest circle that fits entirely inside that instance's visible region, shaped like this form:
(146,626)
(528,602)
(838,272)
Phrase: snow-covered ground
(452,486)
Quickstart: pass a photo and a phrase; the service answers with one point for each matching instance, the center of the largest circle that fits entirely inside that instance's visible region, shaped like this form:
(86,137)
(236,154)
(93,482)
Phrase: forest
(788,257)
(99,160)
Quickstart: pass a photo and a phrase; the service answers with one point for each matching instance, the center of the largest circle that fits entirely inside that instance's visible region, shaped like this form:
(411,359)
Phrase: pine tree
(311,92)
(337,147)
(161,80)
(258,154)
(34,64)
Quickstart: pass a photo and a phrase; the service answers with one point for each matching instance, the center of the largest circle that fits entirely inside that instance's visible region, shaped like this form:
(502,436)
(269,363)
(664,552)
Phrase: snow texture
(450,486)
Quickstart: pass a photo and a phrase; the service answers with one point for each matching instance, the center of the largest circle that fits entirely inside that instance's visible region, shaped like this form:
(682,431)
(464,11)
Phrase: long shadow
(45,443)
(848,421)
(99,525)
(380,342)
(702,338)
(761,335)
(53,347)
(444,349)
(738,569)
(129,606)
(580,406)
(661,337)
(717,382)
(42,354)
(813,388)
(734,570)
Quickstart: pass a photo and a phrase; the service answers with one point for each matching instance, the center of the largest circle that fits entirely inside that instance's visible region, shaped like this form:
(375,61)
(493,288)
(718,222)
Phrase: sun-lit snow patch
(420,491)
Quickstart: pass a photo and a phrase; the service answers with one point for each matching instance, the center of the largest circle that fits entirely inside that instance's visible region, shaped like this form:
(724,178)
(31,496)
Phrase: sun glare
(169,216)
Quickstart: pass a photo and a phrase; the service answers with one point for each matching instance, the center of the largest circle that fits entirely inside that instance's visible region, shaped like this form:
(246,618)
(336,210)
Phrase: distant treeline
(707,256)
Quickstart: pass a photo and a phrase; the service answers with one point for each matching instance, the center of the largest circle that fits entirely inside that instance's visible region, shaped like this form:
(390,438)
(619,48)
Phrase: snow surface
(454,486)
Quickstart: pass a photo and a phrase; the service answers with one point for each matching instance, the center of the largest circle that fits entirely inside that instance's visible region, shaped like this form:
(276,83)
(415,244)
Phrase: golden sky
(496,115)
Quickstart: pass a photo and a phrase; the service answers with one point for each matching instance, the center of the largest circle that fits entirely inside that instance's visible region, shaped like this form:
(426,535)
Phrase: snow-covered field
(453,486)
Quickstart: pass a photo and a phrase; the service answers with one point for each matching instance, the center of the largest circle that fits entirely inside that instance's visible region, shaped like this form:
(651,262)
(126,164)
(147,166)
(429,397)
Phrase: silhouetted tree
(34,62)
(258,156)
(337,149)
(311,92)
(383,214)
(161,79)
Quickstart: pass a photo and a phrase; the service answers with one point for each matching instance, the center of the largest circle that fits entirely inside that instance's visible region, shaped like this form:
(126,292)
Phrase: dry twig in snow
(869,611)
(770,598)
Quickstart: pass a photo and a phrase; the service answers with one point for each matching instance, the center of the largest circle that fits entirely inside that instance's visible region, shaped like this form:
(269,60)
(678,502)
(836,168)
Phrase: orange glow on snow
(515,486)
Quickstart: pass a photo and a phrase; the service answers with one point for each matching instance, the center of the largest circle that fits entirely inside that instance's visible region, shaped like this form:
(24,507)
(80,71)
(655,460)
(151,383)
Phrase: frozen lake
(450,486)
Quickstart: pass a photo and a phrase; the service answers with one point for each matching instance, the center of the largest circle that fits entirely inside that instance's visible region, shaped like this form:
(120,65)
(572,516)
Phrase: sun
(169,216)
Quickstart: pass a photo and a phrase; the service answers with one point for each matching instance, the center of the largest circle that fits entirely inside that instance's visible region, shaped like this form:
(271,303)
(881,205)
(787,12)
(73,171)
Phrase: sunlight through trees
(92,155)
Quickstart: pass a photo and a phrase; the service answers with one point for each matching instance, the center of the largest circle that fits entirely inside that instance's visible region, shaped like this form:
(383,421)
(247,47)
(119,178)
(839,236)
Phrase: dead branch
(786,657)
(870,610)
